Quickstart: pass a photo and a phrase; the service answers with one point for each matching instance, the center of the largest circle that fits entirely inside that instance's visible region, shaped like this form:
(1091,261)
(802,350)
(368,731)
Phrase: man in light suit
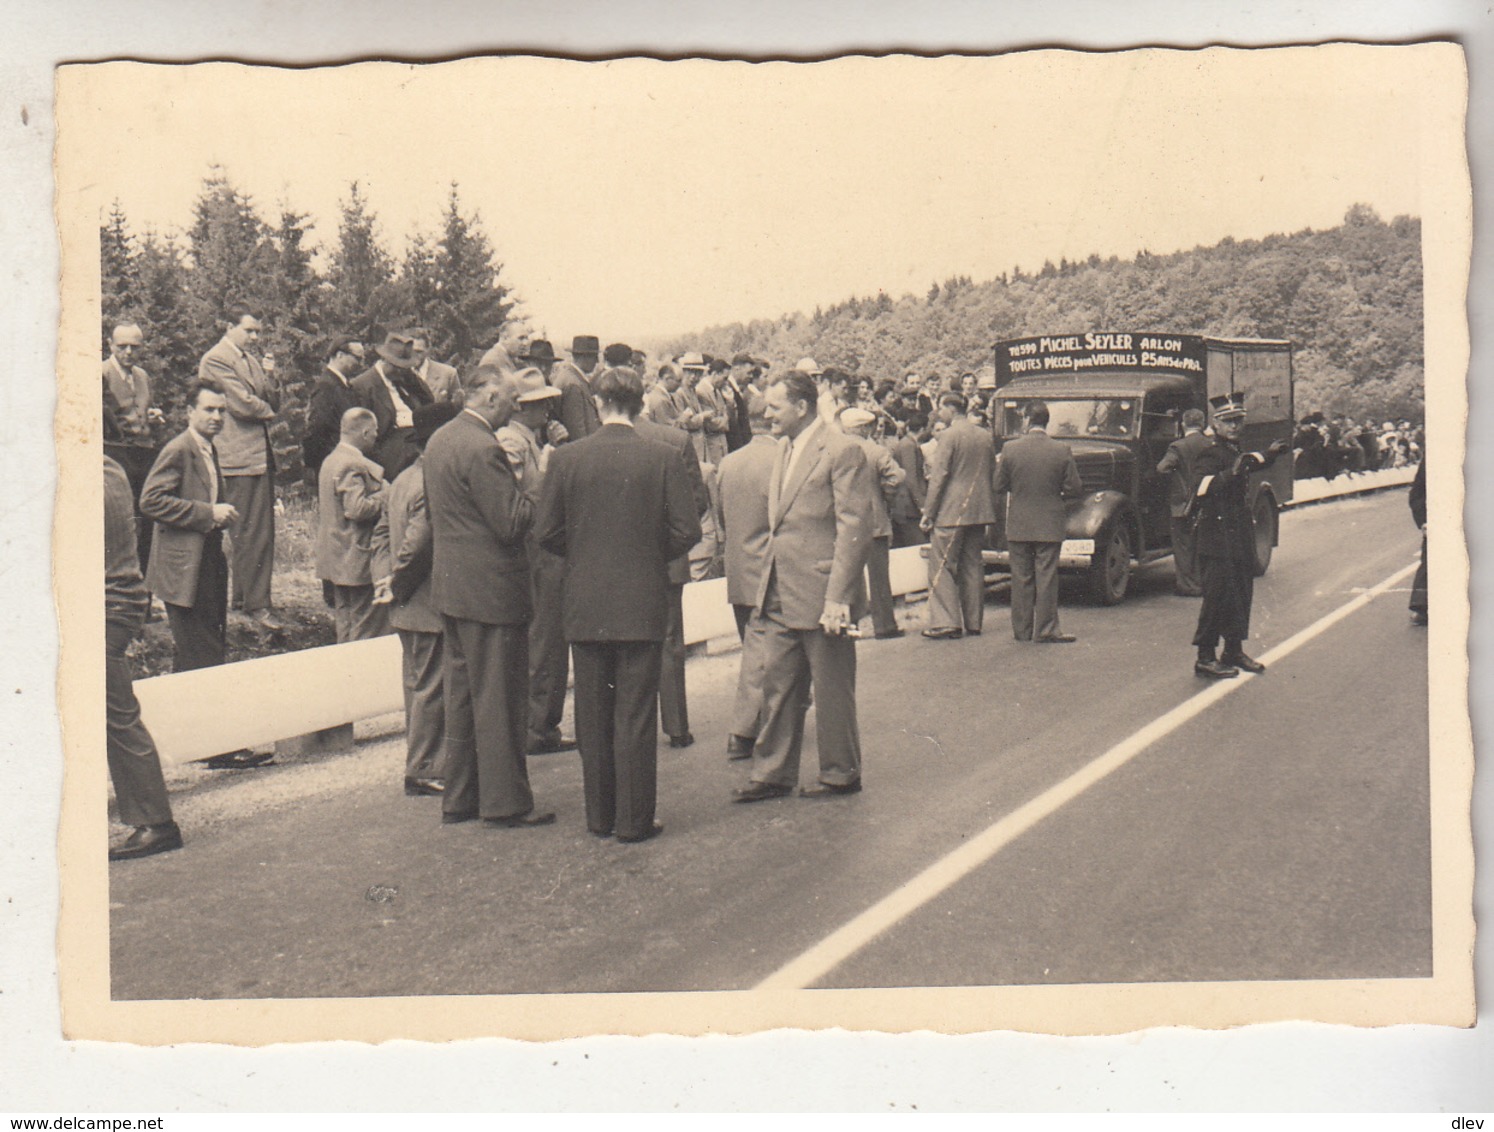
(956,510)
(526,441)
(350,502)
(440,378)
(1177,462)
(810,598)
(480,585)
(617,507)
(888,476)
(246,459)
(1038,473)
(402,565)
(745,477)
(130,419)
(393,391)
(184,496)
(658,400)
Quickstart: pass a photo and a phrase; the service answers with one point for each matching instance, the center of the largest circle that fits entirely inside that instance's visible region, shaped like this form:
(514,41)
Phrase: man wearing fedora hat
(393,392)
(402,564)
(578,412)
(1225,540)
(526,443)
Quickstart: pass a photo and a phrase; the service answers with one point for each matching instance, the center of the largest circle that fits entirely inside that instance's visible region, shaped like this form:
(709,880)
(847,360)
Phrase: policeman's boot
(1234,655)
(1207,666)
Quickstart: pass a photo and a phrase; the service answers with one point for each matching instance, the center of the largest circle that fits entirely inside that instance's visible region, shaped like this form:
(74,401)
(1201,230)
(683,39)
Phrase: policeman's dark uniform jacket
(1225,537)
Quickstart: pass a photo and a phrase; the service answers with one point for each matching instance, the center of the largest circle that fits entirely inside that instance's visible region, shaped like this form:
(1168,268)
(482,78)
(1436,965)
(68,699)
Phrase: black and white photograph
(658,545)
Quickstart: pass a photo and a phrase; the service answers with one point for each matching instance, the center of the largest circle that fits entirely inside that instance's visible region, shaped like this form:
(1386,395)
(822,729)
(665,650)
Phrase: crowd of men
(536,514)
(1328,447)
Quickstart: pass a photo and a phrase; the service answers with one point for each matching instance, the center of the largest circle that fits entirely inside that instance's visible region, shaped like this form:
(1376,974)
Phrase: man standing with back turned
(955,513)
(1177,463)
(617,507)
(1040,474)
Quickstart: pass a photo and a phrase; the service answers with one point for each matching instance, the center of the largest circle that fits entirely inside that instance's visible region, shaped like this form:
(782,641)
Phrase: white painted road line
(839,946)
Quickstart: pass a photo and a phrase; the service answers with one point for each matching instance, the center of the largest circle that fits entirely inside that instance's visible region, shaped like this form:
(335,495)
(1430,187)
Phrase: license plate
(1078,546)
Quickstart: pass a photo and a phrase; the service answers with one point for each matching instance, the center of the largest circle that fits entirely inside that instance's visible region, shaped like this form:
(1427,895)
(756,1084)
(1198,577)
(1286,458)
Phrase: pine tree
(118,275)
(172,339)
(471,304)
(294,335)
(360,274)
(232,255)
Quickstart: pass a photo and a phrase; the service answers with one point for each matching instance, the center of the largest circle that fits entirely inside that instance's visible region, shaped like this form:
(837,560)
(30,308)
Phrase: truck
(1117,399)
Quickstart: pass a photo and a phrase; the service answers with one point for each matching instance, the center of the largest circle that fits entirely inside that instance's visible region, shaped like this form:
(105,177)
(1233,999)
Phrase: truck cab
(1117,400)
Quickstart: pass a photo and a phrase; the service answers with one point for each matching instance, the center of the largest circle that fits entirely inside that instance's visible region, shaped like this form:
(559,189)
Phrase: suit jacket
(578,412)
(617,507)
(244,444)
(658,405)
(907,503)
(887,478)
(1224,528)
(402,545)
(331,397)
(479,517)
(820,523)
(441,379)
(960,477)
(1417,497)
(679,440)
(131,396)
(1178,460)
(395,448)
(350,499)
(1039,473)
(739,430)
(713,430)
(745,477)
(178,496)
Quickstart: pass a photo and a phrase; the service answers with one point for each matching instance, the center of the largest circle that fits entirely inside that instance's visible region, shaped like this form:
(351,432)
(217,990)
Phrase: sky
(638,198)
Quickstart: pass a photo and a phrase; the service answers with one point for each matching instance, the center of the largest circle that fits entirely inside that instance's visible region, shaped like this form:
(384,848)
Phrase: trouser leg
(673,710)
(460,759)
(253,537)
(635,737)
(355,616)
(746,716)
(1185,559)
(1023,588)
(775,758)
(425,709)
(1419,584)
(972,578)
(548,654)
(832,666)
(198,630)
(1045,588)
(596,699)
(944,592)
(134,765)
(879,587)
(498,660)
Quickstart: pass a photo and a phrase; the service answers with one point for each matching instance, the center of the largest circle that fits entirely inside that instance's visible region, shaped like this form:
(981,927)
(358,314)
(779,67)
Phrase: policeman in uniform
(1225,540)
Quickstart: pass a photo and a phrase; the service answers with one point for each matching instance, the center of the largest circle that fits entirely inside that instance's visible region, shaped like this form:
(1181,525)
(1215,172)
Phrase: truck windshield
(1088,417)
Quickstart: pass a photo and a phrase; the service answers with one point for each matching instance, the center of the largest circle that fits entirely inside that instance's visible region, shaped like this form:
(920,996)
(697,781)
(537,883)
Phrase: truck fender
(1095,512)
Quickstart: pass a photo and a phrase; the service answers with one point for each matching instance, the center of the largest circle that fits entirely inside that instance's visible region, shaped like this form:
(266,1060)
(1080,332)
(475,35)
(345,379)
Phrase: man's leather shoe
(1214,670)
(739,747)
(267,621)
(943,634)
(1418,617)
(146,841)
(459,816)
(760,792)
(1056,639)
(416,787)
(890,635)
(1243,663)
(830,789)
(684,740)
(552,746)
(635,838)
(521,821)
(239,760)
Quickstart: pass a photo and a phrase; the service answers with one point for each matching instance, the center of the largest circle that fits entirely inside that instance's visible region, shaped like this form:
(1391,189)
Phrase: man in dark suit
(617,507)
(393,391)
(745,478)
(1177,462)
(350,501)
(1038,473)
(573,378)
(1226,541)
(1418,502)
(402,564)
(134,764)
(480,586)
(737,389)
(956,510)
(184,496)
(331,397)
(246,459)
(810,598)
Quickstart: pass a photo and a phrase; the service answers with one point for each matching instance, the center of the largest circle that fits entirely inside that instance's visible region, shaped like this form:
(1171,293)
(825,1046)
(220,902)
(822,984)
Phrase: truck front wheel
(1110,568)
(1263,517)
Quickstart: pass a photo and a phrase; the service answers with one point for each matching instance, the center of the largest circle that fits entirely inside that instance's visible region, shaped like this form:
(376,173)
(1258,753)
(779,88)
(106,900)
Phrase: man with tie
(246,459)
(745,478)
(617,507)
(526,441)
(480,585)
(393,392)
(184,496)
(956,509)
(737,388)
(810,597)
(130,419)
(331,397)
(1038,473)
(658,402)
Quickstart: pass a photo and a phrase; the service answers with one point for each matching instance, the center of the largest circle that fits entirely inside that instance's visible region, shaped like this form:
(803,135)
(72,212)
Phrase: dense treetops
(1349,298)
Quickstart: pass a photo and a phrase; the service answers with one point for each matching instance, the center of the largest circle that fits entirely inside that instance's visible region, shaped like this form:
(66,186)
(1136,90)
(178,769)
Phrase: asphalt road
(1280,834)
